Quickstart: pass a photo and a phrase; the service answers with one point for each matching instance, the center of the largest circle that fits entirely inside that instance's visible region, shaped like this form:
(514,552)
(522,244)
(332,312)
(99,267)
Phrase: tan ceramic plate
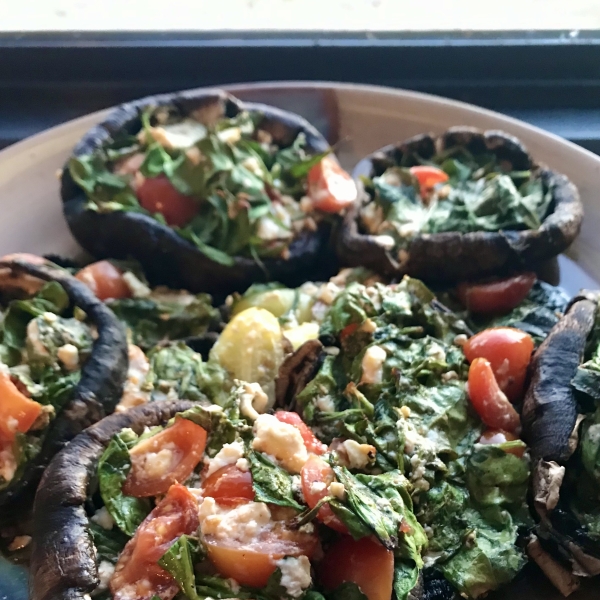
(360,119)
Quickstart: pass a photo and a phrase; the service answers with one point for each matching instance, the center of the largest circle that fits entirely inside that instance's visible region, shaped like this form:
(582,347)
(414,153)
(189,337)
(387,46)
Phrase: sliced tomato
(330,188)
(137,573)
(312,443)
(499,437)
(348,331)
(490,402)
(166,458)
(252,564)
(509,352)
(229,486)
(316,476)
(496,297)
(428,177)
(105,280)
(157,195)
(17,412)
(365,562)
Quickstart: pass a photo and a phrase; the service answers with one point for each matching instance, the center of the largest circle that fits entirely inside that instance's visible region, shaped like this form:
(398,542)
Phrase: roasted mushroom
(94,395)
(63,565)
(560,419)
(209,232)
(485,208)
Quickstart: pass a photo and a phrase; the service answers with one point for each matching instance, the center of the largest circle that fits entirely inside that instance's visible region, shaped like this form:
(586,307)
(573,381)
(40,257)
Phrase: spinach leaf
(347,591)
(114,465)
(109,542)
(213,586)
(179,561)
(271,483)
(406,576)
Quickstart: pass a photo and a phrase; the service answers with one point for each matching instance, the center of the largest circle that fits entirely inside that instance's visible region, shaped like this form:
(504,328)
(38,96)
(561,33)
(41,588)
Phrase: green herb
(179,561)
(109,542)
(406,577)
(347,591)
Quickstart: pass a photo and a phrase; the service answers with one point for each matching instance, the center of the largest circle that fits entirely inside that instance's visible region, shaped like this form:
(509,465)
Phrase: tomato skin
(365,562)
(489,400)
(317,471)
(184,438)
(229,486)
(428,177)
(310,440)
(498,436)
(496,297)
(157,195)
(174,516)
(509,352)
(330,188)
(348,331)
(17,412)
(105,280)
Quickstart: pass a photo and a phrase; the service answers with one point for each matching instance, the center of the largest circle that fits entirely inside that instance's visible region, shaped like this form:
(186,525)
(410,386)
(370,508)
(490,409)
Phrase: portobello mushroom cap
(63,562)
(454,256)
(166,257)
(102,375)
(551,423)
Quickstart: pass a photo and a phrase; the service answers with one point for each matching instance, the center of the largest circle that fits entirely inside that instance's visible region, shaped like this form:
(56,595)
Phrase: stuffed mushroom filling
(221,183)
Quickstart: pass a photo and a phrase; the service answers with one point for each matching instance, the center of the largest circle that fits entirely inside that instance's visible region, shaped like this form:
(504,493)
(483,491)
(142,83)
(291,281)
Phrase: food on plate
(209,193)
(63,361)
(460,206)
(560,418)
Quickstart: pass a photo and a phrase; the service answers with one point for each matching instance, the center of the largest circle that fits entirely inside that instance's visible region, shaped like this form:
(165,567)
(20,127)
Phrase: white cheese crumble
(295,574)
(282,441)
(385,241)
(105,572)
(103,518)
(372,365)
(137,288)
(229,454)
(242,464)
(253,400)
(325,403)
(139,367)
(359,455)
(69,356)
(437,352)
(316,487)
(157,464)
(337,490)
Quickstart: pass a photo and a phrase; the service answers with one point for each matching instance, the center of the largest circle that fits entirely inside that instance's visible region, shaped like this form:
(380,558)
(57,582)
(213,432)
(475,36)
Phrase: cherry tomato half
(229,486)
(365,562)
(157,195)
(137,567)
(330,188)
(105,280)
(316,475)
(310,440)
(428,177)
(488,399)
(496,297)
(498,436)
(508,351)
(166,458)
(17,412)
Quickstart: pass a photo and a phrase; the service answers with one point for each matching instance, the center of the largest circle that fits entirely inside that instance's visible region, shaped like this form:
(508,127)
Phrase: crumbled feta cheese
(405,411)
(105,572)
(103,518)
(281,440)
(316,487)
(337,490)
(295,574)
(69,356)
(50,318)
(385,241)
(269,230)
(177,135)
(359,455)
(372,365)
(156,464)
(242,464)
(139,367)
(253,400)
(137,288)
(325,403)
(8,463)
(242,523)
(437,352)
(449,376)
(460,340)
(230,135)
(227,455)
(234,585)
(407,230)
(328,293)
(369,326)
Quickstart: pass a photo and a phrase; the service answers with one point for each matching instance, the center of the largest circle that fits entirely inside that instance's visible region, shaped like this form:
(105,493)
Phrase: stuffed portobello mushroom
(209,193)
(63,361)
(561,416)
(460,206)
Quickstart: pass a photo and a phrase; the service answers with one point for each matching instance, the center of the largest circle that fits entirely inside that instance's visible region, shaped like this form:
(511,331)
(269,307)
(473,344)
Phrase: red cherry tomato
(428,177)
(365,562)
(316,475)
(157,195)
(488,399)
(229,486)
(17,412)
(252,564)
(330,188)
(310,440)
(497,436)
(509,352)
(137,573)
(496,297)
(177,450)
(348,331)
(105,280)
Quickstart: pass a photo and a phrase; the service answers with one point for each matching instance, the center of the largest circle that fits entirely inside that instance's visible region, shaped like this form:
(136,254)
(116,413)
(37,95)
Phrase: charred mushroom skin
(453,256)
(63,565)
(100,386)
(167,258)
